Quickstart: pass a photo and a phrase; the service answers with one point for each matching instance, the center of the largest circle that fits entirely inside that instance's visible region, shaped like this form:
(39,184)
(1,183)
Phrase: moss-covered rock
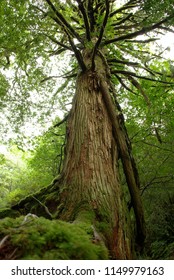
(31,237)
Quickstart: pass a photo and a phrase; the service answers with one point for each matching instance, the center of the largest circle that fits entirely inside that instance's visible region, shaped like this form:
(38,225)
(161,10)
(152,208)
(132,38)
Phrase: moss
(8,212)
(38,238)
(103,227)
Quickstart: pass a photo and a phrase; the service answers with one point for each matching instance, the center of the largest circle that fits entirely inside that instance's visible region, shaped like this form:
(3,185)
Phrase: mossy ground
(39,238)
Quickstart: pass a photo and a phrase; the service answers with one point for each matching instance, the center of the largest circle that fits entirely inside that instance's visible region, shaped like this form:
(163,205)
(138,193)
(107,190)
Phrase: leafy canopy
(40,37)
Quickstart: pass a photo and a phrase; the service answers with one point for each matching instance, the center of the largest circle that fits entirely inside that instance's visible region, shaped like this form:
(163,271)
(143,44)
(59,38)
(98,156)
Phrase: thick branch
(91,15)
(63,21)
(85,17)
(101,33)
(142,31)
(73,47)
(77,54)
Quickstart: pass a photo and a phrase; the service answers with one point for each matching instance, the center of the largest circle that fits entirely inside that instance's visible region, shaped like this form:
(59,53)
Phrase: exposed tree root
(44,203)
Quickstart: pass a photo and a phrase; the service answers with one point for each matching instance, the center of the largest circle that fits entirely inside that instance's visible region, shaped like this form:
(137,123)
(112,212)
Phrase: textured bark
(90,172)
(130,171)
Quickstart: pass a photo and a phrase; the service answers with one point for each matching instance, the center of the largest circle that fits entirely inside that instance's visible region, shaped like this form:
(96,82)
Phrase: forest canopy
(87,97)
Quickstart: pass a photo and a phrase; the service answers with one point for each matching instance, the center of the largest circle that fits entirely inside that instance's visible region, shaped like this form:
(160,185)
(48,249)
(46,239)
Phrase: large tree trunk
(91,172)
(89,186)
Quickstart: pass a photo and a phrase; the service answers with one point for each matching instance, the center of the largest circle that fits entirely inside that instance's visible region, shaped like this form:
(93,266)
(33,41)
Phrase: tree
(102,39)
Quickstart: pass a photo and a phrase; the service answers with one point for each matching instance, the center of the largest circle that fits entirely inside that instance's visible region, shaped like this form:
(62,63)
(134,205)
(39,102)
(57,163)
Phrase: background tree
(102,37)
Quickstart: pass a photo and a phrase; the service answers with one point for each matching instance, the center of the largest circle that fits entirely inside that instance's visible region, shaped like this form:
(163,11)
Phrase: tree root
(44,203)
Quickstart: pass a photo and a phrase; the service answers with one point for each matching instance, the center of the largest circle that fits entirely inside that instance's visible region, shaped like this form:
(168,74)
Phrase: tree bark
(91,172)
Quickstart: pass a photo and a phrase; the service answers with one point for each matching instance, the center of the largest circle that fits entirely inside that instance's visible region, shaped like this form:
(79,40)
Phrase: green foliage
(156,11)
(46,239)
(47,156)
(23,172)
(12,171)
(4,86)
(160,238)
(33,45)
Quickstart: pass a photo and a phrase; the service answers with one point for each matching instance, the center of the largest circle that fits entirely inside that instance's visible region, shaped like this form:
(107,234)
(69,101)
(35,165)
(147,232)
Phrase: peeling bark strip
(127,161)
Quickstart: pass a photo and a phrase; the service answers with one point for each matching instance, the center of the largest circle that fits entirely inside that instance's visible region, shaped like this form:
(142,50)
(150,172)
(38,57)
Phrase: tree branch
(124,85)
(63,21)
(77,54)
(138,86)
(156,146)
(167,29)
(162,180)
(101,33)
(133,64)
(125,27)
(62,121)
(137,33)
(85,17)
(142,41)
(57,42)
(127,73)
(68,30)
(123,20)
(123,62)
(45,207)
(58,77)
(91,15)
(131,4)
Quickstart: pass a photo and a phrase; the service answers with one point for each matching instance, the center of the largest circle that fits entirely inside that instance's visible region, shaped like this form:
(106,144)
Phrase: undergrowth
(40,239)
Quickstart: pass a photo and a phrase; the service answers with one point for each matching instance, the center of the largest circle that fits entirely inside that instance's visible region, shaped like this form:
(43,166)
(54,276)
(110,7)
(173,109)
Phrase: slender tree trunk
(91,172)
